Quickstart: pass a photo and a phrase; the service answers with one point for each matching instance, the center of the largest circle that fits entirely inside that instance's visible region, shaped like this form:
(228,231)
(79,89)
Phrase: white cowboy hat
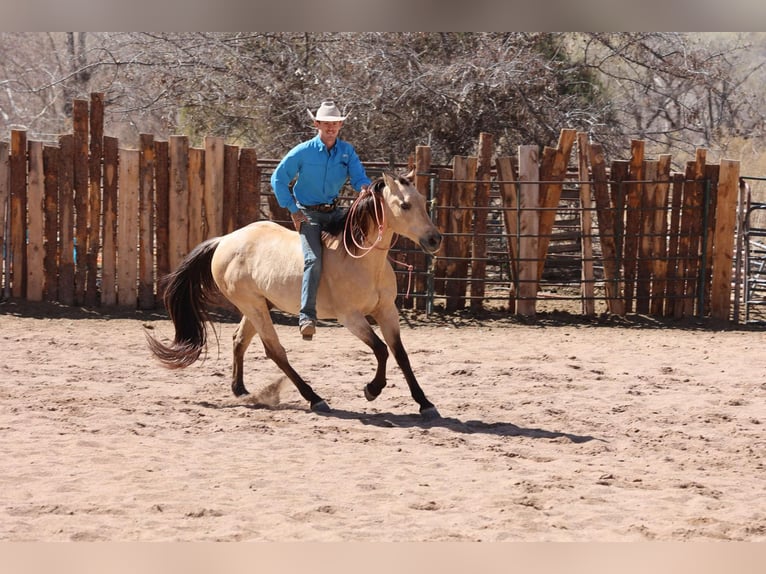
(327,112)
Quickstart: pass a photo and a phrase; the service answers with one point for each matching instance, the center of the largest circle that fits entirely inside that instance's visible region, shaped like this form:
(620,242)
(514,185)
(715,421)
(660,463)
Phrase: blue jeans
(311,242)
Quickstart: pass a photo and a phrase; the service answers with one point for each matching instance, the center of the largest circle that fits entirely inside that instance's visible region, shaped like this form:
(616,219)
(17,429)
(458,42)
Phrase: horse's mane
(363,214)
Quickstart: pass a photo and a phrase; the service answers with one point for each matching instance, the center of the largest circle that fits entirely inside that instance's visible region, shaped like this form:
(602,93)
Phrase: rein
(380,221)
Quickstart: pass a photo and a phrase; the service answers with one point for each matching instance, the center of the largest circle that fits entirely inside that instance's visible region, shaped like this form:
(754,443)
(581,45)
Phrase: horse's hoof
(430,414)
(368,394)
(321,407)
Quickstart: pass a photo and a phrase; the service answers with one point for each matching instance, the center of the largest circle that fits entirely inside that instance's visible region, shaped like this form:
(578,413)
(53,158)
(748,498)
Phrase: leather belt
(322,207)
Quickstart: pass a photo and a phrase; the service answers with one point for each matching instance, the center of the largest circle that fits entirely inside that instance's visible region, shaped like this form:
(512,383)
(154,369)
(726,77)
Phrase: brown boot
(307,327)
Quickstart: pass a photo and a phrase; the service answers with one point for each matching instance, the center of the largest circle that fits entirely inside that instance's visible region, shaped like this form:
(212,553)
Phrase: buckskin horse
(260,266)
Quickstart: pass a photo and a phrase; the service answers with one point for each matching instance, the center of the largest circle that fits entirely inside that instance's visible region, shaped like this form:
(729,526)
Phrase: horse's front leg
(388,319)
(359,326)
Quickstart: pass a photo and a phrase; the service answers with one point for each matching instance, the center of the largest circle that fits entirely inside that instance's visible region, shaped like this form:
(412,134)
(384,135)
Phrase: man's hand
(298,217)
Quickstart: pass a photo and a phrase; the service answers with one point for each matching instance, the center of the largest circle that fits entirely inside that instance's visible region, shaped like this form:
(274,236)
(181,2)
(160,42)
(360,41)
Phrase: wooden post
(725,225)
(52,250)
(464,173)
(109,253)
(587,287)
(443,217)
(417,258)
(5,217)
(178,204)
(18,212)
(201,223)
(675,281)
(249,196)
(633,220)
(660,232)
(509,195)
(607,222)
(127,228)
(552,171)
(708,248)
(230,195)
(529,202)
(94,197)
(80,122)
(66,219)
(213,198)
(646,240)
(479,263)
(696,207)
(146,223)
(35,223)
(162,217)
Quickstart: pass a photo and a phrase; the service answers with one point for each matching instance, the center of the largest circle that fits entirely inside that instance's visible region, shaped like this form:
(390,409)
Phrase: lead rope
(380,220)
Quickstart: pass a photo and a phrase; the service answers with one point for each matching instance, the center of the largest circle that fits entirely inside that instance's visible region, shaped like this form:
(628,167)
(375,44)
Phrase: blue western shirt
(321,173)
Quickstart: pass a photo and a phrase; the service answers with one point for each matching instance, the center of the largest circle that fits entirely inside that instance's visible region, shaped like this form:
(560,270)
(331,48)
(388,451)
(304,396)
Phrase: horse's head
(407,214)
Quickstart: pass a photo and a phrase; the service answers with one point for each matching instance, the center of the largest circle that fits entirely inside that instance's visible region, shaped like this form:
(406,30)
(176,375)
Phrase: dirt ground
(559,429)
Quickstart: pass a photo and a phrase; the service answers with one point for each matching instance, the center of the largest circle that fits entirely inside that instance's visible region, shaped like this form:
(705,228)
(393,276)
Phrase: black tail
(187,291)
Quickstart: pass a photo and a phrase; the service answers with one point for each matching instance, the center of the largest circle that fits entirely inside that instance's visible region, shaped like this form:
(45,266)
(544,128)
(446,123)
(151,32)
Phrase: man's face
(328,129)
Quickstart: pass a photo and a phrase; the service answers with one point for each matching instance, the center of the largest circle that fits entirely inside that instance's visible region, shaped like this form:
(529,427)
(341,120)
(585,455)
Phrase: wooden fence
(88,223)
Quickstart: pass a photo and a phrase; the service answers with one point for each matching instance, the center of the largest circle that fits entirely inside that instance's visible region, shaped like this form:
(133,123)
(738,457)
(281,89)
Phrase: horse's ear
(390,180)
(410,175)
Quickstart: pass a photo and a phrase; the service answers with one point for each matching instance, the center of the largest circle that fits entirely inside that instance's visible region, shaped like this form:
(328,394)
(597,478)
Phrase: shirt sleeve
(356,174)
(281,178)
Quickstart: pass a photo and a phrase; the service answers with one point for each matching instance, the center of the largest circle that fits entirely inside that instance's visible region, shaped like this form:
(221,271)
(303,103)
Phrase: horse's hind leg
(260,319)
(242,338)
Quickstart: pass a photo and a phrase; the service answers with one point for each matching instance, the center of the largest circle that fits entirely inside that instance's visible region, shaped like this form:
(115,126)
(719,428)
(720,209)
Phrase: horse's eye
(406,205)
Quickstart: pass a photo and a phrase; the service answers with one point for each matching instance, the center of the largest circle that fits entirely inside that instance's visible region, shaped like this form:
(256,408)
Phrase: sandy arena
(551,431)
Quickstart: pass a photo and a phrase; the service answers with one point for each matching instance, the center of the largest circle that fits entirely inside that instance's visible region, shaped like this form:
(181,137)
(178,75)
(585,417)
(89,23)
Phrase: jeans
(311,242)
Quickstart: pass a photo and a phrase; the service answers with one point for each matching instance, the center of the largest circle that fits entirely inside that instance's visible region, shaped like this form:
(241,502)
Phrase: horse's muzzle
(432,242)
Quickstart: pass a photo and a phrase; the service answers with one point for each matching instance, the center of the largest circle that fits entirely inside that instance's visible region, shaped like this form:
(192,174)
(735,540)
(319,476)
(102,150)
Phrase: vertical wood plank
(646,239)
(178,200)
(479,263)
(529,249)
(66,219)
(464,173)
(249,198)
(633,220)
(18,213)
(674,281)
(587,286)
(708,247)
(725,225)
(607,230)
(109,256)
(618,192)
(94,197)
(5,213)
(696,207)
(199,219)
(660,233)
(146,223)
(417,258)
(213,199)
(443,203)
(162,217)
(127,228)
(230,200)
(552,171)
(81,220)
(35,223)
(511,215)
(51,200)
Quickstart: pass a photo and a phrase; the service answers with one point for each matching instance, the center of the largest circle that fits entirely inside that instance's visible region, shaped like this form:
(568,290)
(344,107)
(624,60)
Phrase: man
(322,165)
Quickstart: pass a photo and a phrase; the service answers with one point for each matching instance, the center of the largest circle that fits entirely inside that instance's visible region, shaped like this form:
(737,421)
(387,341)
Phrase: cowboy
(322,165)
